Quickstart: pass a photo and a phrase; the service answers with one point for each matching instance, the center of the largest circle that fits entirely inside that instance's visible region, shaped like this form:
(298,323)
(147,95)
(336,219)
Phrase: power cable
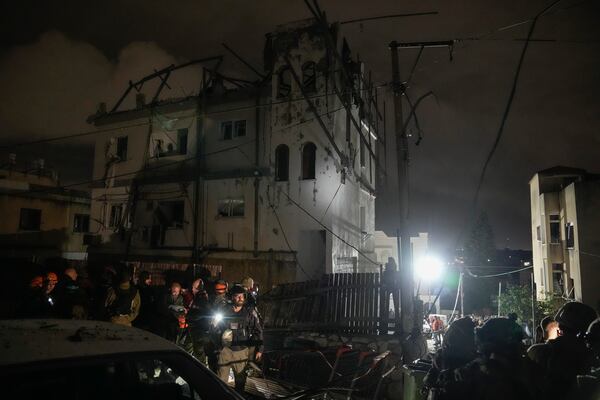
(331,202)
(496,275)
(327,228)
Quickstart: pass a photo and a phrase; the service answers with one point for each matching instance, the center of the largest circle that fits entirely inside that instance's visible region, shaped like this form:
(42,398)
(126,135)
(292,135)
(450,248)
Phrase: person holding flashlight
(240,330)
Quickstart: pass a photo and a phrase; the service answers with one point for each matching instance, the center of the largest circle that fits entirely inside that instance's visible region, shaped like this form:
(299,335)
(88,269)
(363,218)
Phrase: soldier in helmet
(567,356)
(500,372)
(240,330)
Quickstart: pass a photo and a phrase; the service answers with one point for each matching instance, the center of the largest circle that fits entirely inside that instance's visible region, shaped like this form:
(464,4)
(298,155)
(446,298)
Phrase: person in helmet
(567,356)
(240,329)
(500,371)
(219,299)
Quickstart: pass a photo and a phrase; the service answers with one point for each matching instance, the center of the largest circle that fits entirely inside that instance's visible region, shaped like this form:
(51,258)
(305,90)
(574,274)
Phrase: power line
(327,228)
(496,275)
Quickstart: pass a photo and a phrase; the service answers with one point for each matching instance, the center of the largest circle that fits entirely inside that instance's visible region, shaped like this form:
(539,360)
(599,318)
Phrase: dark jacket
(71,300)
(247,330)
(200,313)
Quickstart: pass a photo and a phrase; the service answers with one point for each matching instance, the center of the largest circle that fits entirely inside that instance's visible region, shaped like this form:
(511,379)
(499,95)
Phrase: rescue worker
(437,327)
(243,326)
(51,281)
(220,297)
(32,305)
(457,350)
(71,300)
(171,308)
(567,356)
(123,301)
(248,284)
(199,315)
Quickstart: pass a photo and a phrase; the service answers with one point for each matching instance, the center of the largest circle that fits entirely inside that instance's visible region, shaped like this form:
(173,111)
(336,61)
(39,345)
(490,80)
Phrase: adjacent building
(274,179)
(41,220)
(565,233)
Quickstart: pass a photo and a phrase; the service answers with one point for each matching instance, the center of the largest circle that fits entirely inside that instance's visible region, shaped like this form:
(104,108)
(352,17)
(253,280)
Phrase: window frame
(122,145)
(37,217)
(86,224)
(282,174)
(309,172)
(227,204)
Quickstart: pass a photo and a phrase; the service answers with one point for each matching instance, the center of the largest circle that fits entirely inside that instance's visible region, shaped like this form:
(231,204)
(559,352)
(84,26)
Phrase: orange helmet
(37,281)
(220,286)
(51,277)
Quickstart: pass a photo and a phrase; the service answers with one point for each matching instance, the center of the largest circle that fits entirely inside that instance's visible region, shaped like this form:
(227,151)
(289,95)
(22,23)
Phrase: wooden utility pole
(402,156)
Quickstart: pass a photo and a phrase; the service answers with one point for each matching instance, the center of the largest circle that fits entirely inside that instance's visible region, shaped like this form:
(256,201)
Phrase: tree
(517,299)
(480,246)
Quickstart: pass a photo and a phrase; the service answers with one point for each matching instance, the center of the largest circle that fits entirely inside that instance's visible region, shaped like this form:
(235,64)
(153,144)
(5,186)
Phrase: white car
(70,359)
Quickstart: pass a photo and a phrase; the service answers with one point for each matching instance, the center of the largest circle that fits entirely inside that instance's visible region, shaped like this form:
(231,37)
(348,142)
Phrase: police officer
(567,356)
(240,325)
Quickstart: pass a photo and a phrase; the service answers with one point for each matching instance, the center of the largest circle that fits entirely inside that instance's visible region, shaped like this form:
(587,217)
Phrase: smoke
(53,85)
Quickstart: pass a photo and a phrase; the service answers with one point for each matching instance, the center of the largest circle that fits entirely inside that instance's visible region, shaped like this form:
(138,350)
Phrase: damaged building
(273,179)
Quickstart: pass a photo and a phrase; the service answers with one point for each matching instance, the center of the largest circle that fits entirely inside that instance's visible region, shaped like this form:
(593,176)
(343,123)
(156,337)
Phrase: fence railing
(348,303)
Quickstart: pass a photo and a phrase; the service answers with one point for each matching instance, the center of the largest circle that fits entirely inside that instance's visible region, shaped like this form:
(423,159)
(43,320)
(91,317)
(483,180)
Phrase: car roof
(26,341)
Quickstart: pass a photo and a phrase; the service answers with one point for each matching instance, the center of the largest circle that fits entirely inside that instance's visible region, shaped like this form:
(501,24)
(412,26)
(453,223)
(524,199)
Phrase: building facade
(273,180)
(565,233)
(40,220)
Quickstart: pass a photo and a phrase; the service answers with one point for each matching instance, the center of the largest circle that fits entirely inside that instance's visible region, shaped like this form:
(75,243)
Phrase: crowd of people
(492,361)
(218,323)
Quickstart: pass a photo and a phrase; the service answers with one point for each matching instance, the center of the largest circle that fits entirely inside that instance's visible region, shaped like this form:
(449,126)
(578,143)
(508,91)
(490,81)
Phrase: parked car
(69,359)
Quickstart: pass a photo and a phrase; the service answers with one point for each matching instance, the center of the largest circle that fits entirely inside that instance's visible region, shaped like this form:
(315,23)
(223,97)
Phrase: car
(72,359)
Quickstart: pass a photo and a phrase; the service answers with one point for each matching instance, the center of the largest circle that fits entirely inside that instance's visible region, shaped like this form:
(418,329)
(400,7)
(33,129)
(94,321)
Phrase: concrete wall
(588,240)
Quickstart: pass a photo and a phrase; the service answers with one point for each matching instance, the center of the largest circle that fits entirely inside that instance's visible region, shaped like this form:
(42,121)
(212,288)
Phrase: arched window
(309,77)
(309,159)
(282,163)
(284,82)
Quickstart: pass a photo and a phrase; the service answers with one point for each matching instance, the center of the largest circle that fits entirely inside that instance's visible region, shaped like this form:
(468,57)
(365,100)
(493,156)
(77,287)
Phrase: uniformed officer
(240,329)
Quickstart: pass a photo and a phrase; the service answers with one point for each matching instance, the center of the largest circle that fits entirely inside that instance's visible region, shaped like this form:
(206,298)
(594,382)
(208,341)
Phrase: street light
(429,268)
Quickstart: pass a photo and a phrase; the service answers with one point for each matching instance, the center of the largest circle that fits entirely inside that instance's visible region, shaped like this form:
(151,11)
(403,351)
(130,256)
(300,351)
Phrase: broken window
(233,207)
(171,214)
(30,219)
(81,223)
(555,229)
(309,77)
(570,234)
(122,148)
(284,82)
(557,278)
(309,159)
(282,163)
(116,211)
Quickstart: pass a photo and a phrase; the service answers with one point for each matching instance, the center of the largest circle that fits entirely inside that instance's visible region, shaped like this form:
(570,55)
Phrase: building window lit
(282,163)
(309,159)
(30,219)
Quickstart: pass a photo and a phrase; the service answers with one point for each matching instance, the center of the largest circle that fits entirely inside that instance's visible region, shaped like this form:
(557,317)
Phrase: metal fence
(348,303)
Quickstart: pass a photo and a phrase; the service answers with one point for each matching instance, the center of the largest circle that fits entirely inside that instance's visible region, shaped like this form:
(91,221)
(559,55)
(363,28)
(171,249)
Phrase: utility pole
(407,311)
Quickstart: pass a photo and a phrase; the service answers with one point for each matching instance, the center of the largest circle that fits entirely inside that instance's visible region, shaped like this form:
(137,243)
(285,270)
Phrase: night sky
(59,59)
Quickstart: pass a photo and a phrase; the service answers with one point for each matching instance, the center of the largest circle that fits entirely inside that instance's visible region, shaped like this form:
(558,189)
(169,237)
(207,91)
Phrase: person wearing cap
(567,356)
(240,329)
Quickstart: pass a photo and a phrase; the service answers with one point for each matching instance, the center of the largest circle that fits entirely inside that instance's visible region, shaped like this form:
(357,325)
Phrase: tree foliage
(517,299)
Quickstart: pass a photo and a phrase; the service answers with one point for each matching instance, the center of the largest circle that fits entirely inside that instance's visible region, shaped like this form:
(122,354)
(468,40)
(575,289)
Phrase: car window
(156,376)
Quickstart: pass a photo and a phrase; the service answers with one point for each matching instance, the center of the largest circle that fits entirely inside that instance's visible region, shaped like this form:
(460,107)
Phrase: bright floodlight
(218,317)
(429,268)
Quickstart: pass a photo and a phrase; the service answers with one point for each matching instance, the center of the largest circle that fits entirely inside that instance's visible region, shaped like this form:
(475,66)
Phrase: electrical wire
(327,228)
(331,202)
(496,275)
(458,290)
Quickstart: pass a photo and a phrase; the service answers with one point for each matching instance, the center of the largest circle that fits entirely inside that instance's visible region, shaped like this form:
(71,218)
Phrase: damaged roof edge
(175,105)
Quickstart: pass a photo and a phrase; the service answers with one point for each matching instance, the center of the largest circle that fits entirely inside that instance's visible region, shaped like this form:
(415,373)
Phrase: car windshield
(147,376)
